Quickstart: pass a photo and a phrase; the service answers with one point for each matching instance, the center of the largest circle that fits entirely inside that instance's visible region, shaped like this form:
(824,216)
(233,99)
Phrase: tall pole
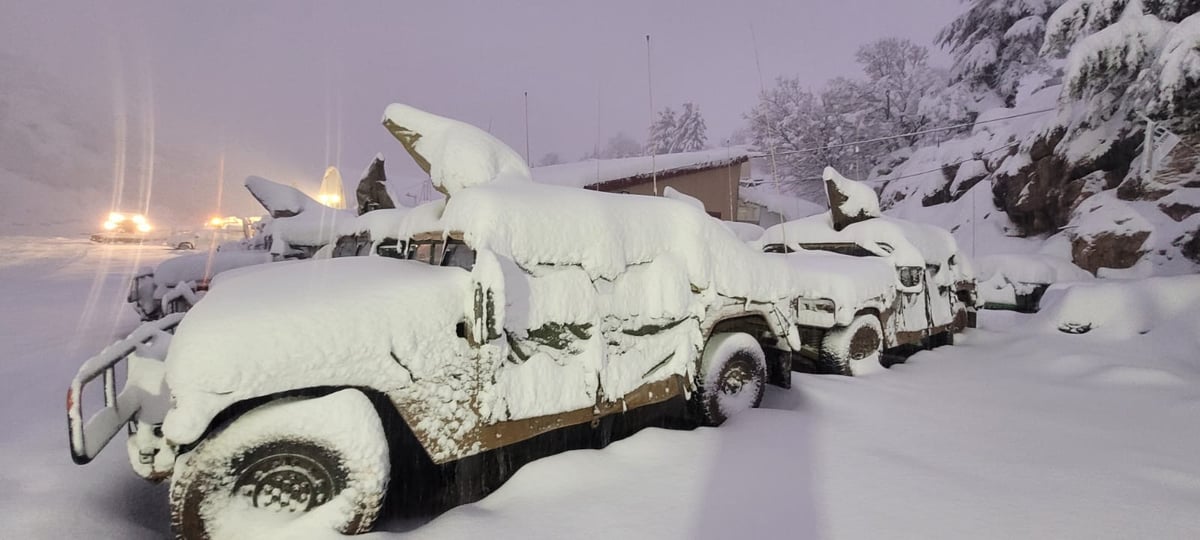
(528,160)
(650,92)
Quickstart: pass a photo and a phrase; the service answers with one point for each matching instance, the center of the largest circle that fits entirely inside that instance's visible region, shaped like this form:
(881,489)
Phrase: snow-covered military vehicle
(509,312)
(298,228)
(935,293)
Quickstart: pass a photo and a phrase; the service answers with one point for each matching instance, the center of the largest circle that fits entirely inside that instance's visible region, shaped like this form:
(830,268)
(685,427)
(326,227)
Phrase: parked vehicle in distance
(935,292)
(297,227)
(216,231)
(504,315)
(122,227)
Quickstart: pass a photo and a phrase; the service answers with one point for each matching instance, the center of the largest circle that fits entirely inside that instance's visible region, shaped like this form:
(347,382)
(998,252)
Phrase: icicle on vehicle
(504,314)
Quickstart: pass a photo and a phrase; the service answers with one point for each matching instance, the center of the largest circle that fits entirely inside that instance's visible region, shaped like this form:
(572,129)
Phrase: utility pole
(650,91)
(528,159)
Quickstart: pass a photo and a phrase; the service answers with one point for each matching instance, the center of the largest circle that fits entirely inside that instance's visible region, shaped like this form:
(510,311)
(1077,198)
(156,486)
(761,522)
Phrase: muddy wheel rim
(285,483)
(734,378)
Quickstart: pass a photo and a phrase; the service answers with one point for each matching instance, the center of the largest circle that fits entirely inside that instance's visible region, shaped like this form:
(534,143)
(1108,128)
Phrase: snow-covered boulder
(1107,232)
(455,154)
(1019,280)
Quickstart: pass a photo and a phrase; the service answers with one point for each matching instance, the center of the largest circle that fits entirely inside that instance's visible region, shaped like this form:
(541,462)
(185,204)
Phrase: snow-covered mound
(1003,278)
(746,232)
(456,154)
(672,193)
(1124,309)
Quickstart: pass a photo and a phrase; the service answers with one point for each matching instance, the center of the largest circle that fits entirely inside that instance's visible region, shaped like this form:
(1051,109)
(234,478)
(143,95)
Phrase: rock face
(1108,250)
(1040,197)
(1189,246)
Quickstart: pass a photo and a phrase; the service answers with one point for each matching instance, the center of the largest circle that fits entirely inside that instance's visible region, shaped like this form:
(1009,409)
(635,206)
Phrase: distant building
(712,176)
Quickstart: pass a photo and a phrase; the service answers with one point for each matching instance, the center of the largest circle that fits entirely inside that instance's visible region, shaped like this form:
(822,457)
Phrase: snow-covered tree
(671,133)
(662,132)
(620,145)
(995,45)
(1125,58)
(898,77)
(551,158)
(691,134)
(802,134)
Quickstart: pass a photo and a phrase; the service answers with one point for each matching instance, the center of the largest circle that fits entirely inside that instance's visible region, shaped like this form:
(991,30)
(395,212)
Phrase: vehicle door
(543,323)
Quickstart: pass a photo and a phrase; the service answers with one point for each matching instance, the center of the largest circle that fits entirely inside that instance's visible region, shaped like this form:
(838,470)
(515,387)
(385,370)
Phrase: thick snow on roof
(789,206)
(909,243)
(605,234)
(592,171)
(459,155)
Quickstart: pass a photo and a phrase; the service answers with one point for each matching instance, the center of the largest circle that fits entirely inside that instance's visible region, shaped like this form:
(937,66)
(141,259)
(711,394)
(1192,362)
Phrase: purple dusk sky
(263,80)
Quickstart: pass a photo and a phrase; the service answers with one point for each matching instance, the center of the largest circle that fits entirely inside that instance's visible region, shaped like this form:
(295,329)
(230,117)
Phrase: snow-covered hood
(904,243)
(850,282)
(198,266)
(356,321)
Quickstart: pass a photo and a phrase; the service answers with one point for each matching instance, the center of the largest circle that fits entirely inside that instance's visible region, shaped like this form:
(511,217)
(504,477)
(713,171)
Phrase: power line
(911,175)
(911,134)
(959,162)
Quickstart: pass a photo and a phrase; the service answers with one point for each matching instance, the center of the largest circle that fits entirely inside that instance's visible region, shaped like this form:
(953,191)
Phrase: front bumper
(141,403)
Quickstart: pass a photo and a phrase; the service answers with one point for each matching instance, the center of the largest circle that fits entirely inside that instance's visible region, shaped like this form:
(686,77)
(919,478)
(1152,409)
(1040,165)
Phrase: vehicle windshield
(459,254)
(424,250)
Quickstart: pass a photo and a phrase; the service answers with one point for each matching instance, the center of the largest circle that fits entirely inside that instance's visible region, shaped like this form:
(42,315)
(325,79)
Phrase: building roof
(617,173)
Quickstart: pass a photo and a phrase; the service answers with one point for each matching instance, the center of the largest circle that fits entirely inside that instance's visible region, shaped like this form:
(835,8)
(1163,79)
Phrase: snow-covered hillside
(63,153)
(1035,131)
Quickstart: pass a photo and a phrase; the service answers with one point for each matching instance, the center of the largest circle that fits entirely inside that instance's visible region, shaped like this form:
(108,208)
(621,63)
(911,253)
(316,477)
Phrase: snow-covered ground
(1019,431)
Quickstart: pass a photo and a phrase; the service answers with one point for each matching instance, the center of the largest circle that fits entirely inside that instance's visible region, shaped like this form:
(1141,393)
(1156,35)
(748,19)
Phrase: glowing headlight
(116,218)
(143,227)
(139,219)
(109,225)
(215,221)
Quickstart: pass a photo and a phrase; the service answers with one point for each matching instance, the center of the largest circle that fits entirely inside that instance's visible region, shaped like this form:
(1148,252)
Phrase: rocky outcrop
(1108,250)
(1189,246)
(1040,197)
(1178,211)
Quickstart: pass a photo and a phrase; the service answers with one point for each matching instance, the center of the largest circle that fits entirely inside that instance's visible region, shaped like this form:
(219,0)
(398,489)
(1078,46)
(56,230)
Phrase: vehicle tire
(732,377)
(854,349)
(185,245)
(322,461)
